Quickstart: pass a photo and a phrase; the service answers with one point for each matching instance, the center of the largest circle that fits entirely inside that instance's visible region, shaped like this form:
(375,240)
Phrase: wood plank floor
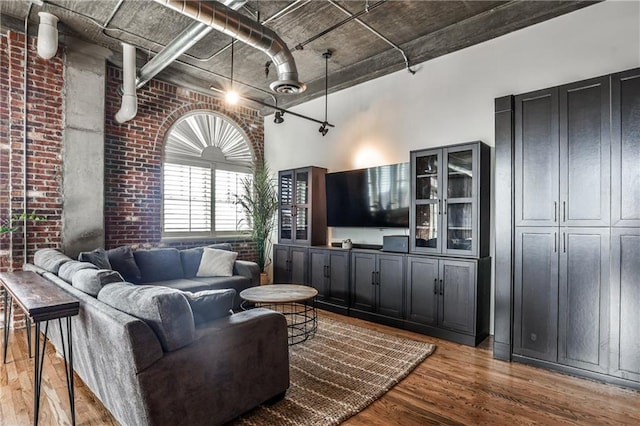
(455,385)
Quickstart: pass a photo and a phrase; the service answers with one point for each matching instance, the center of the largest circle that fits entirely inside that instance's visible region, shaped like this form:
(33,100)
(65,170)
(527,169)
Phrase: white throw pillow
(216,263)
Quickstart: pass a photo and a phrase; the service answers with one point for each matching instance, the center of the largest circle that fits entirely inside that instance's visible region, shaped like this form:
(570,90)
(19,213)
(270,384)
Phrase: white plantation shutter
(206,157)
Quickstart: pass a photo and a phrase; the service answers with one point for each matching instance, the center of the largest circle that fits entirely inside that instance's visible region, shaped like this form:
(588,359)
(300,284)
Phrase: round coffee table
(295,302)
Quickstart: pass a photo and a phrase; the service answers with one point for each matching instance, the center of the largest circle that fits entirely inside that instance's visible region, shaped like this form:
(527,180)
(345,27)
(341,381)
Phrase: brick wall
(133,153)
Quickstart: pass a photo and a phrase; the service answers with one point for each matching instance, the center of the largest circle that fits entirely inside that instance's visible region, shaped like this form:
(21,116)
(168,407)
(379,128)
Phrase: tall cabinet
(573,155)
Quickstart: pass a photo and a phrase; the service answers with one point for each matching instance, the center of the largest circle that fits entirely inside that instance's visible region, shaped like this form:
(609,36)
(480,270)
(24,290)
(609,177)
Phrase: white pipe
(129,107)
(47,35)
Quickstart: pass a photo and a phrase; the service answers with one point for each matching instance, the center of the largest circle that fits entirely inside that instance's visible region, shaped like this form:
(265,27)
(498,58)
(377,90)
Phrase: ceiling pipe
(129,107)
(223,19)
(178,46)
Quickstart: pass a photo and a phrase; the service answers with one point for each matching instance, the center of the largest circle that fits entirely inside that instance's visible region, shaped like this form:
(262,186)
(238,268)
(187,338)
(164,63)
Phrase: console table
(41,300)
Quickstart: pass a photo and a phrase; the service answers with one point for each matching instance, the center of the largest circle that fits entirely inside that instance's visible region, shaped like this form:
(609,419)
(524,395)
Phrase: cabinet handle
(564,211)
(564,242)
(555,211)
(373,278)
(441,288)
(328,271)
(439,206)
(445,206)
(555,238)
(378,278)
(435,286)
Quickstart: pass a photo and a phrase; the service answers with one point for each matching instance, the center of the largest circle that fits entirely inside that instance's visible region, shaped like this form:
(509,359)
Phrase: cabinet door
(302,207)
(281,264)
(625,149)
(583,300)
(625,303)
(318,272)
(338,271)
(535,316)
(585,153)
(422,290)
(363,268)
(536,159)
(426,201)
(460,204)
(457,295)
(298,264)
(285,210)
(390,283)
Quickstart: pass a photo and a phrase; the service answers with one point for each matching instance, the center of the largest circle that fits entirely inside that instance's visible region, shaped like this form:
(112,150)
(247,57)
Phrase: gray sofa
(142,353)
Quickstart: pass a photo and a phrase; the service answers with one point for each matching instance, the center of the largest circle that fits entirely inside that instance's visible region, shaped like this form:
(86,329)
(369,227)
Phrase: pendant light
(326,55)
(232,96)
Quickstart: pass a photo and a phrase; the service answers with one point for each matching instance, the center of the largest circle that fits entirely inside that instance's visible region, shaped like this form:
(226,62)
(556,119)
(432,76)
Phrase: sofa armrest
(247,269)
(235,363)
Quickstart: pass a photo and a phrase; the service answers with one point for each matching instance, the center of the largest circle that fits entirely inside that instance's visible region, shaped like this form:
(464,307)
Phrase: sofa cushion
(91,281)
(216,263)
(221,246)
(159,264)
(166,310)
(50,259)
(209,305)
(98,257)
(68,269)
(190,261)
(122,260)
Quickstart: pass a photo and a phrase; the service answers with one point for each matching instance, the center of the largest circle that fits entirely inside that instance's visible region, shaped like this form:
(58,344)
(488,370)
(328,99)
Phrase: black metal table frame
(302,317)
(39,355)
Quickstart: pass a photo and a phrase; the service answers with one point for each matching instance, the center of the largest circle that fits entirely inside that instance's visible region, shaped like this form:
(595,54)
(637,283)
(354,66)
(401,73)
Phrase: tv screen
(376,197)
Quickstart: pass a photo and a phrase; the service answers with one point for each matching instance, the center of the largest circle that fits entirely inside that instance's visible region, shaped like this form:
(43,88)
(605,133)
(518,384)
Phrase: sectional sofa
(169,351)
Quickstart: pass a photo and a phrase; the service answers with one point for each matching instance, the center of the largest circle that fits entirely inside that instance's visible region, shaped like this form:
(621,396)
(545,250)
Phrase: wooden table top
(38,297)
(279,293)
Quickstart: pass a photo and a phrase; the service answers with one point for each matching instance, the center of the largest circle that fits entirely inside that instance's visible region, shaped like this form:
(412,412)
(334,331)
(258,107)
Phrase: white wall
(451,99)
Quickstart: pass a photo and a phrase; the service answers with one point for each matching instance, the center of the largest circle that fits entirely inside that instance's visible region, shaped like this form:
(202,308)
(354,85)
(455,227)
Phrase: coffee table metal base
(302,319)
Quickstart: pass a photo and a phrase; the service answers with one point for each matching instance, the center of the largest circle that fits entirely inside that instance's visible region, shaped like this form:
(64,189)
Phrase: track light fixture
(326,55)
(278,118)
(232,96)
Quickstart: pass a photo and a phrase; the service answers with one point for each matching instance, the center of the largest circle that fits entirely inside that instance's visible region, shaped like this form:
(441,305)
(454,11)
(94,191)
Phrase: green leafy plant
(259,201)
(12,224)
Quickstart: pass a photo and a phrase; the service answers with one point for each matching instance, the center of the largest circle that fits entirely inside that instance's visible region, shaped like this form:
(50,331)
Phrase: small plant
(259,200)
(12,224)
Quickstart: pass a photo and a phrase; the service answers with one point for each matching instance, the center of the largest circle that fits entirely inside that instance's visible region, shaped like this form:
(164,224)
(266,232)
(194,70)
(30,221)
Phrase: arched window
(206,157)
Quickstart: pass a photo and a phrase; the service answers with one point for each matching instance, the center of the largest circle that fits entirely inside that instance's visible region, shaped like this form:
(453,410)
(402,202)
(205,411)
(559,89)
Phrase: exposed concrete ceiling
(422,30)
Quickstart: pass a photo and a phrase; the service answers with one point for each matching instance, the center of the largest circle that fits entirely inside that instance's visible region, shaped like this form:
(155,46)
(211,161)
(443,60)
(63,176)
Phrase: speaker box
(395,243)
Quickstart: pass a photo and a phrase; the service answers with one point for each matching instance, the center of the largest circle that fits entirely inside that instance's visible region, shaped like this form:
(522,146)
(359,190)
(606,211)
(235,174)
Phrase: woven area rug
(338,373)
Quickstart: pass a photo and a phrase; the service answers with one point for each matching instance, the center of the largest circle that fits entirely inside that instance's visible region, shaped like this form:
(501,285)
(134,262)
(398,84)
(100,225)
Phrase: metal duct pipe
(129,107)
(222,18)
(179,45)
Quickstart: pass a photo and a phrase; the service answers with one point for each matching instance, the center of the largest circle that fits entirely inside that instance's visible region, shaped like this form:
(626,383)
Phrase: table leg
(28,321)
(68,369)
(8,302)
(37,370)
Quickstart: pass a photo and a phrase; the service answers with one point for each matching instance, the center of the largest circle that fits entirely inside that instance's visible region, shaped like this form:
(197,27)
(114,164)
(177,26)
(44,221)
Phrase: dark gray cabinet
(289,264)
(448,298)
(449,200)
(329,274)
(377,286)
(302,217)
(625,149)
(625,303)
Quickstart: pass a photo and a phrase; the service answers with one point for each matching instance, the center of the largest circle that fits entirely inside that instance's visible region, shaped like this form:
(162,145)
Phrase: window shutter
(187,198)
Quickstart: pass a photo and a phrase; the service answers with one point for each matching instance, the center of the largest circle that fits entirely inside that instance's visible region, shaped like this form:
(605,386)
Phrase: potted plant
(12,223)
(259,201)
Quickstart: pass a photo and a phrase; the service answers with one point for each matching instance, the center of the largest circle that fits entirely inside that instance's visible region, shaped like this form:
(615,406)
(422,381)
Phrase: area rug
(338,373)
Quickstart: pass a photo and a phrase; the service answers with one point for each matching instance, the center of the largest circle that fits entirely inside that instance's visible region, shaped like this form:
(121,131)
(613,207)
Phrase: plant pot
(264,278)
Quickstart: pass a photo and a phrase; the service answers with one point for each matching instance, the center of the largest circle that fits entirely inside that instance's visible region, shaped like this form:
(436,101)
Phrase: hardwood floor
(455,385)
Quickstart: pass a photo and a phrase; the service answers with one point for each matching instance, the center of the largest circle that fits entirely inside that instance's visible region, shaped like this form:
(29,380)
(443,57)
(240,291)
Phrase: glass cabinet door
(459,205)
(427,195)
(301,206)
(286,207)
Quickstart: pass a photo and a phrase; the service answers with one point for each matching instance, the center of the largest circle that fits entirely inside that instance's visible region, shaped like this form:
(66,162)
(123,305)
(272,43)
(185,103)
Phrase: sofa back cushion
(159,264)
(68,269)
(91,281)
(50,259)
(165,310)
(122,260)
(190,261)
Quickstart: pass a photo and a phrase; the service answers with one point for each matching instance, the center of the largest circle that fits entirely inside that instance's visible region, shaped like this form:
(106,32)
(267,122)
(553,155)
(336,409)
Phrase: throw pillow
(161,264)
(91,281)
(208,305)
(165,310)
(216,263)
(221,246)
(50,259)
(68,270)
(98,257)
(122,260)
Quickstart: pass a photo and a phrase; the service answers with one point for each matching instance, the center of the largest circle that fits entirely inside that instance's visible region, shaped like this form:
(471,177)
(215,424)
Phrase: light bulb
(232,97)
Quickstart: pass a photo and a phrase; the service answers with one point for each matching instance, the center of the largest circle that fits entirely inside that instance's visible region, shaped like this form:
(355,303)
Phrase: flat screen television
(376,197)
